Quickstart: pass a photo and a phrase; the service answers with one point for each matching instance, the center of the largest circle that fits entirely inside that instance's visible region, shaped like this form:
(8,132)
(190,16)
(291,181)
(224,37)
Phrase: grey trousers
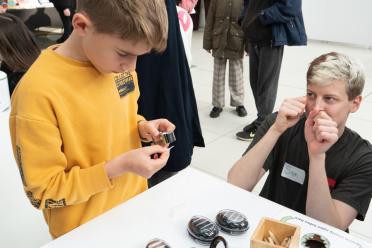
(236,83)
(264,69)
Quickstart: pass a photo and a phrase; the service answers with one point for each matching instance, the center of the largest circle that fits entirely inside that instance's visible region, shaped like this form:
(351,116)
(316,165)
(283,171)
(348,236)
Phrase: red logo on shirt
(331,183)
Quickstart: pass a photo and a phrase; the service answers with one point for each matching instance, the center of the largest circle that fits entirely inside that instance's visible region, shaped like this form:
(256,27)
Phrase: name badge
(293,173)
(124,83)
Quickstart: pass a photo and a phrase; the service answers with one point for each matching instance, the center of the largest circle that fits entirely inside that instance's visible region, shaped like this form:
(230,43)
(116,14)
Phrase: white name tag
(293,173)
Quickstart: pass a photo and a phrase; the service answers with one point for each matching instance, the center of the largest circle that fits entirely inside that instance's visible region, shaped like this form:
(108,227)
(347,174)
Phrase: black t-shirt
(348,168)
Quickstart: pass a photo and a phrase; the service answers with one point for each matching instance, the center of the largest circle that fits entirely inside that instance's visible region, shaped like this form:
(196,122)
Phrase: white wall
(347,21)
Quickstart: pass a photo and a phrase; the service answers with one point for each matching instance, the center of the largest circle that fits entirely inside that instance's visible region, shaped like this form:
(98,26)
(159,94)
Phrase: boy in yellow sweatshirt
(75,130)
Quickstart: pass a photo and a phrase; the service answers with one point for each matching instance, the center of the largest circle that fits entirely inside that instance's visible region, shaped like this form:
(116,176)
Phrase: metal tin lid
(232,222)
(168,137)
(157,243)
(202,229)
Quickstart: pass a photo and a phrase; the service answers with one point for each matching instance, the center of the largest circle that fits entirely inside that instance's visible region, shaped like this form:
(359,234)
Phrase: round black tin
(202,229)
(232,222)
(157,243)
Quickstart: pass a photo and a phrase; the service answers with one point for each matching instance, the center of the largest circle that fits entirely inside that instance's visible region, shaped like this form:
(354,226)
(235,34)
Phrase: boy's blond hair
(136,20)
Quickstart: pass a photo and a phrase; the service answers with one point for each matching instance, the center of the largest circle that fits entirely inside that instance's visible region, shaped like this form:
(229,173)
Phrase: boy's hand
(141,163)
(150,130)
(138,161)
(320,132)
(289,113)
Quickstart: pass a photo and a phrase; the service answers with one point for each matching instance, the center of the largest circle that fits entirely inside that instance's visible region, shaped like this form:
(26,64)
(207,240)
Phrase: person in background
(184,9)
(18,49)
(167,92)
(268,25)
(75,131)
(317,166)
(66,10)
(223,37)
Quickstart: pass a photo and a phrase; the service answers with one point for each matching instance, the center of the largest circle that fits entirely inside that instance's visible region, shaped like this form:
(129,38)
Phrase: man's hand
(138,161)
(320,132)
(150,130)
(289,113)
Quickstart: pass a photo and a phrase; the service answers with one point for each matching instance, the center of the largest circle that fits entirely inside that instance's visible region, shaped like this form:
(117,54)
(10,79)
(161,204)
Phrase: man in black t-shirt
(317,166)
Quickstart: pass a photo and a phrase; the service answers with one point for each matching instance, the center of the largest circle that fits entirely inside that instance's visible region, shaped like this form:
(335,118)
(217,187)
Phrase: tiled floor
(223,149)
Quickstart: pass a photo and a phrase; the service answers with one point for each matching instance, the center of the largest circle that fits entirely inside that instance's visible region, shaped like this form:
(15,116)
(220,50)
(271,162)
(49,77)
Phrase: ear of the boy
(81,23)
(356,103)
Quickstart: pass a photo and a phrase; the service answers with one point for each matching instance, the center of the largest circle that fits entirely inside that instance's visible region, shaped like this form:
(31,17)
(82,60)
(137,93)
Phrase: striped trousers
(236,83)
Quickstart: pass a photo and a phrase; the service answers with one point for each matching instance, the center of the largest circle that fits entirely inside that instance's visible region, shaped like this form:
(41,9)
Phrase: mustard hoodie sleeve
(43,167)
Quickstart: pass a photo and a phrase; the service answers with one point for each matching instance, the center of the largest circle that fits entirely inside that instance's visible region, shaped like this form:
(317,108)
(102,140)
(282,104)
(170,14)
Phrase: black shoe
(241,111)
(246,136)
(215,112)
(251,126)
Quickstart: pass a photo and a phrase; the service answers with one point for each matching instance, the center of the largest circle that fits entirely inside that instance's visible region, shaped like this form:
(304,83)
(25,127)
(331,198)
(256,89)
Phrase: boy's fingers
(165,155)
(166,126)
(155,149)
(161,160)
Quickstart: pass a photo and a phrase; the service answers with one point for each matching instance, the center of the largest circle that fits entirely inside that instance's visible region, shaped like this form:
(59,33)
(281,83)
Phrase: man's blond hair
(337,66)
(136,20)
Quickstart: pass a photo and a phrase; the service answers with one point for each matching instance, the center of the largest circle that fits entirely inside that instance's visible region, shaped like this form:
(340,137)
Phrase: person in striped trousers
(223,37)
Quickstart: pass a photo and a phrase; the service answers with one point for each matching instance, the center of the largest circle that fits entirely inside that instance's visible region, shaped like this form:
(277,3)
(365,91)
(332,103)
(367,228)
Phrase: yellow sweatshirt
(67,119)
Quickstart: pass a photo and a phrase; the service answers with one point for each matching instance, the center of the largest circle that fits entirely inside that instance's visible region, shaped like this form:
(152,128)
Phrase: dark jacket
(283,17)
(166,91)
(222,33)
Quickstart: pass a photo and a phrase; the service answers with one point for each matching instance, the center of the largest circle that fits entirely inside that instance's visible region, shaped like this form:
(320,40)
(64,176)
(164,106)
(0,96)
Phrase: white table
(21,224)
(164,211)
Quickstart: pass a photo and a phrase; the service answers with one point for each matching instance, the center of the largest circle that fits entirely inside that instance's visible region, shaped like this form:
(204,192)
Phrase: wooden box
(281,230)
